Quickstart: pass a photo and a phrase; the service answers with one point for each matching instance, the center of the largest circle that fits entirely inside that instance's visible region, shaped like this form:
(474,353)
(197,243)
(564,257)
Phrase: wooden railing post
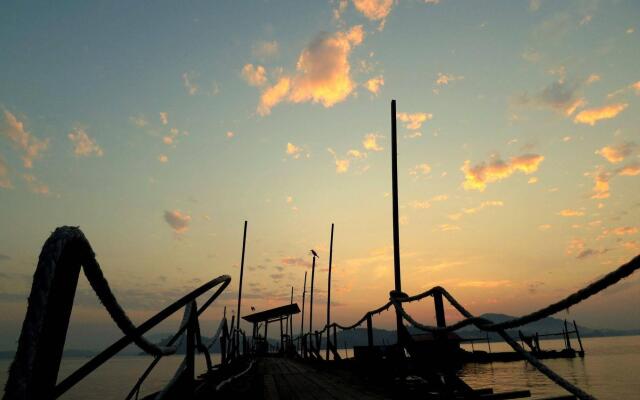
(190,355)
(440,319)
(369,331)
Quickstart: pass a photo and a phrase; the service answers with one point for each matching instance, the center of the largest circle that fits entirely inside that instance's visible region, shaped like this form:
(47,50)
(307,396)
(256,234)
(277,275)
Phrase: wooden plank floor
(285,379)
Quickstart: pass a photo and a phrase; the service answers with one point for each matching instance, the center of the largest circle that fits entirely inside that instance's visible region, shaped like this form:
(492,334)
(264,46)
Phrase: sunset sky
(159,127)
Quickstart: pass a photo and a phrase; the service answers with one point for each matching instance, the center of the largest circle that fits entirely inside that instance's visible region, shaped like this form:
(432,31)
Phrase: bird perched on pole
(313,253)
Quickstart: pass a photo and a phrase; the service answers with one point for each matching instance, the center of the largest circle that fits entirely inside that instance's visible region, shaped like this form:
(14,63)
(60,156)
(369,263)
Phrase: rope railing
(488,326)
(34,371)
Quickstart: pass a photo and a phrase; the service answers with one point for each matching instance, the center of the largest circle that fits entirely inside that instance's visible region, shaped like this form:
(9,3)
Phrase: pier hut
(278,314)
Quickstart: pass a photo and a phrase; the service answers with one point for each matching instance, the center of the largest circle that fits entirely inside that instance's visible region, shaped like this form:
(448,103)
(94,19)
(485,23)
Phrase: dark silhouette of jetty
(417,365)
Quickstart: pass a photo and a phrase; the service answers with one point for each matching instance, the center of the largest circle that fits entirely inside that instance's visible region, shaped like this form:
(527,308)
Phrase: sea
(609,370)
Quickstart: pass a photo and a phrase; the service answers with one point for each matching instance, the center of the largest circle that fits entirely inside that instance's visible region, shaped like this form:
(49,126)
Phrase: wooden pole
(290,319)
(304,292)
(369,331)
(440,319)
(396,219)
(329,293)
(313,272)
(244,242)
(575,327)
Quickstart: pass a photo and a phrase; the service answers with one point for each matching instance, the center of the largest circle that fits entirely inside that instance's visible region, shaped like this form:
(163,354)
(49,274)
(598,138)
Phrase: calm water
(608,371)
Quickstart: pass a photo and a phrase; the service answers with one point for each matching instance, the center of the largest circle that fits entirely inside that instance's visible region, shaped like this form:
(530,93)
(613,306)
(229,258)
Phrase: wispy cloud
(592,115)
(323,73)
(265,49)
(374,84)
(568,212)
(420,170)
(374,10)
(35,185)
(478,176)
(370,142)
(22,140)
(83,145)
(188,80)
(295,152)
(414,121)
(177,220)
(342,164)
(630,170)
(424,204)
(617,153)
(164,118)
(254,75)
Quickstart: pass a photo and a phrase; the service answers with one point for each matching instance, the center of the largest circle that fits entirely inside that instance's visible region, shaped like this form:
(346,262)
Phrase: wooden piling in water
(244,242)
(329,292)
(396,218)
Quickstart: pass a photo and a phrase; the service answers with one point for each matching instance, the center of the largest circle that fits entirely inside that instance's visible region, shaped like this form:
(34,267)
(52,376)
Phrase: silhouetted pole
(304,292)
(396,228)
(313,270)
(329,294)
(290,328)
(244,242)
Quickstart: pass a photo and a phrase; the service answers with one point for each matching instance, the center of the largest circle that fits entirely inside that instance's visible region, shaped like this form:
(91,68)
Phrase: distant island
(358,337)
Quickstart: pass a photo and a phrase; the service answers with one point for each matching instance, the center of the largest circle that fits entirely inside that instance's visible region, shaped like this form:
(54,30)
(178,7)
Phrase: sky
(159,127)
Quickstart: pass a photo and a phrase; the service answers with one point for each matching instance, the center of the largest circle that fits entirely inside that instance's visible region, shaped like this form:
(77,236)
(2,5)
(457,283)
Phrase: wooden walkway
(285,378)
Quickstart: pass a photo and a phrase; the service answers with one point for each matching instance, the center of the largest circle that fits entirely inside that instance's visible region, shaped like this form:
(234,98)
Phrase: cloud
(485,284)
(5,181)
(357,154)
(254,75)
(533,180)
(295,262)
(562,95)
(295,151)
(163,158)
(83,145)
(177,220)
(413,135)
(420,170)
(477,177)
(587,253)
(544,227)
(230,134)
(30,146)
(427,203)
(414,121)
(483,205)
(630,170)
(445,79)
(617,153)
(370,142)
(374,84)
(164,118)
(139,121)
(35,185)
(273,95)
(323,73)
(342,165)
(264,49)
(593,78)
(601,185)
(593,115)
(570,213)
(374,10)
(448,227)
(189,84)
(622,230)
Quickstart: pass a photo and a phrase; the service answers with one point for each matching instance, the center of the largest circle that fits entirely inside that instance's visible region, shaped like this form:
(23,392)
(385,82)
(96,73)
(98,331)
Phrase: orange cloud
(323,73)
(273,95)
(630,170)
(445,79)
(601,185)
(177,220)
(420,169)
(593,115)
(295,151)
(414,121)
(374,10)
(617,153)
(254,75)
(164,118)
(477,177)
(84,146)
(357,154)
(567,212)
(342,165)
(30,146)
(370,142)
(163,158)
(374,84)
(622,230)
